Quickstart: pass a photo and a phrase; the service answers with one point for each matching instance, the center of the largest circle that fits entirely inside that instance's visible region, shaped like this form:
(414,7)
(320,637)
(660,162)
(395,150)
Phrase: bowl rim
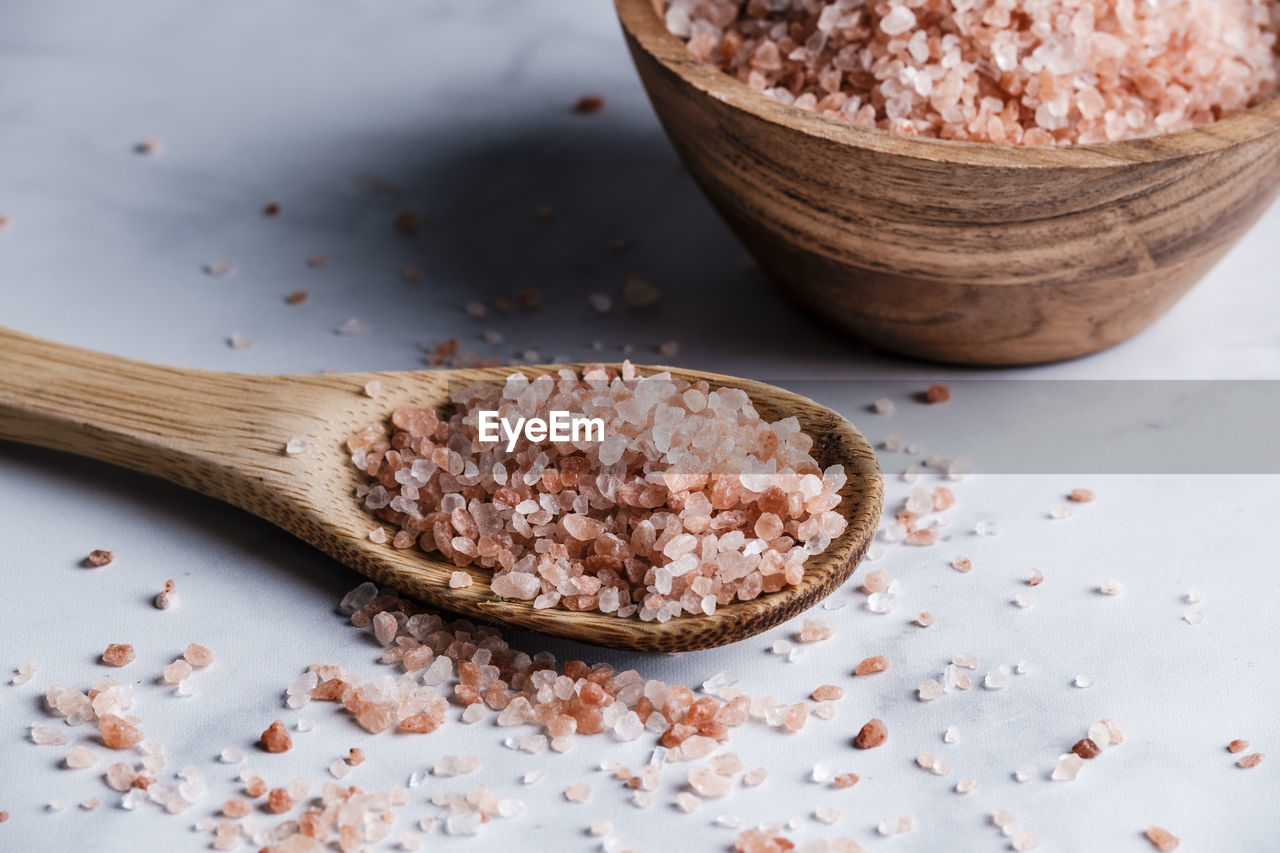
(646,29)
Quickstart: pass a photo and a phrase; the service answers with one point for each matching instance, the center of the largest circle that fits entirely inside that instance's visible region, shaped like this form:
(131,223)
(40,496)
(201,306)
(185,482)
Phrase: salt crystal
(881,602)
(532,776)
(1111,586)
(1193,617)
(823,771)
(929,690)
(951,735)
(1083,681)
(1067,768)
(966,786)
(883,406)
(296,446)
(1162,839)
(1060,512)
(1023,600)
(997,679)
(966,660)
(80,757)
(826,814)
(1025,773)
(579,792)
(1193,596)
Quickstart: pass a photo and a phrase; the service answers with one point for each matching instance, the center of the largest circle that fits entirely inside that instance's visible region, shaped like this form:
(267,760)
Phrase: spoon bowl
(224,435)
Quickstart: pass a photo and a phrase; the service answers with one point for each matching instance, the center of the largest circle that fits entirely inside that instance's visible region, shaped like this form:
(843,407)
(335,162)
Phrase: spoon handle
(199,429)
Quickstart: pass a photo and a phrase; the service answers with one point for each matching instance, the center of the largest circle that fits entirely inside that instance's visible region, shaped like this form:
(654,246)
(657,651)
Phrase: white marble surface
(460,110)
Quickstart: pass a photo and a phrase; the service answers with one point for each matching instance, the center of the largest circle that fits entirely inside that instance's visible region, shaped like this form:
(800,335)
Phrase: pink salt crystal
(197,655)
(384,627)
(815,630)
(795,717)
(1162,839)
(962,564)
(176,671)
(458,580)
(279,801)
(98,558)
(966,786)
(1253,759)
(876,581)
(873,664)
(120,776)
(276,738)
(924,619)
(1035,578)
(924,537)
(579,792)
(117,732)
(687,802)
(118,654)
(872,734)
(1080,495)
(1025,840)
(1237,745)
(827,692)
(80,757)
(929,690)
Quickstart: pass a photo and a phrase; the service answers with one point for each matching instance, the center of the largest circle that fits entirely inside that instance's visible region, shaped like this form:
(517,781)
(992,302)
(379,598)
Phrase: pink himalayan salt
(826,693)
(815,631)
(197,655)
(875,663)
(708,784)
(118,654)
(754,778)
(458,580)
(120,776)
(276,738)
(1162,839)
(1253,759)
(1237,745)
(876,581)
(923,537)
(872,734)
(176,671)
(962,564)
(118,733)
(99,558)
(80,757)
(1057,72)
(652,521)
(579,792)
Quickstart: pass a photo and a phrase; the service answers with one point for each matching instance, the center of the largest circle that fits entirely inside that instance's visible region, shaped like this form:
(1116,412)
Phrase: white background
(462,111)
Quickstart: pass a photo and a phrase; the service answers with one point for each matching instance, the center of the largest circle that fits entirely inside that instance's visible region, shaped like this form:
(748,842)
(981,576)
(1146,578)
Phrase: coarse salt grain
(99,558)
(1162,839)
(578,792)
(554,495)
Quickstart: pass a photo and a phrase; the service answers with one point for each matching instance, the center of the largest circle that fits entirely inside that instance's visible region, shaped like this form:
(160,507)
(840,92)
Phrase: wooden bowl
(958,251)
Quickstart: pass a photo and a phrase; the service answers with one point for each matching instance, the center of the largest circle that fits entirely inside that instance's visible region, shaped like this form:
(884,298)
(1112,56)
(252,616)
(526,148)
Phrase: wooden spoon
(223,435)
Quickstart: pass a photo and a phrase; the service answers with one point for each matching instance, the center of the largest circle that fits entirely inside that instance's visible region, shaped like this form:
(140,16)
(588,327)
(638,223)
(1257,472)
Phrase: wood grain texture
(955,251)
(224,434)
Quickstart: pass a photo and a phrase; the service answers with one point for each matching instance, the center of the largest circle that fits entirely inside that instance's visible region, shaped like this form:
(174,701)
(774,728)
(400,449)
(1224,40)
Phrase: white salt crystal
(338,768)
(929,690)
(966,786)
(1025,773)
(881,602)
(729,821)
(1193,617)
(996,680)
(305,725)
(883,406)
(965,660)
(296,446)
(352,326)
(951,735)
(826,814)
(532,776)
(823,771)
(1193,596)
(1067,768)
(1111,586)
(1023,600)
(1083,681)
(231,755)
